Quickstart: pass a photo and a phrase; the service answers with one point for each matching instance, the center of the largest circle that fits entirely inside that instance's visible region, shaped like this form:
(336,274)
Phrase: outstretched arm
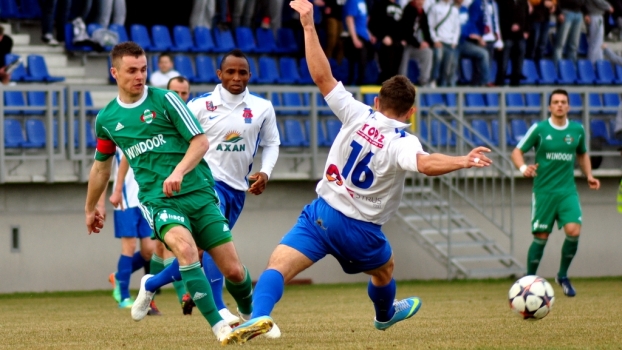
(319,68)
(438,164)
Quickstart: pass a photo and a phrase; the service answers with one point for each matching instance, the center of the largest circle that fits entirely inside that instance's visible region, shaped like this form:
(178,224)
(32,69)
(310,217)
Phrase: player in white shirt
(236,123)
(165,72)
(361,190)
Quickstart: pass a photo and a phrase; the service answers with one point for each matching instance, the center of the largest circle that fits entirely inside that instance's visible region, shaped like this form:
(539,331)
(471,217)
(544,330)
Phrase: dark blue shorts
(359,246)
(231,201)
(130,223)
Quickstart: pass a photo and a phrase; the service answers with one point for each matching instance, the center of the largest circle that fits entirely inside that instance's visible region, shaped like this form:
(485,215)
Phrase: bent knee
(234,273)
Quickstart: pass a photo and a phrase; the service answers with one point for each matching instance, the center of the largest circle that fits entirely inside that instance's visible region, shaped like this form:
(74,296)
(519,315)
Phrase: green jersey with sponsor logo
(154,134)
(556,149)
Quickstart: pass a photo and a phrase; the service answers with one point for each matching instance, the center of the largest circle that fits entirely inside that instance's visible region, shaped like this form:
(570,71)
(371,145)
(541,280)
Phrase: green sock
(156,264)
(569,249)
(242,293)
(180,289)
(534,255)
(201,292)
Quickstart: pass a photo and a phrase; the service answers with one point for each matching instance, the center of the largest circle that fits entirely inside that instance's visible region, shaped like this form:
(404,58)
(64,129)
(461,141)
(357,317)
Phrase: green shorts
(550,207)
(197,211)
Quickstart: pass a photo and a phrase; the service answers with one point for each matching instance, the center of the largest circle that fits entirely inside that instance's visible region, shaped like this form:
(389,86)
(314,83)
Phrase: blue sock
(215,279)
(168,275)
(124,272)
(268,292)
(138,262)
(383,298)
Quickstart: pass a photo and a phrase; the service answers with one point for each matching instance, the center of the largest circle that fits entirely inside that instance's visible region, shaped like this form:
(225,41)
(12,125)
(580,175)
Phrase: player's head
(165,62)
(396,98)
(418,3)
(181,86)
(558,103)
(129,67)
(234,72)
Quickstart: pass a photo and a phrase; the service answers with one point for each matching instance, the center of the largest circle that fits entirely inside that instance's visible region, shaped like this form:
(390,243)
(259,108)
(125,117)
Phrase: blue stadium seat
(587,76)
(530,72)
(182,37)
(612,139)
(604,73)
(493,71)
(595,103)
(341,71)
(206,73)
(35,132)
(161,39)
(514,102)
(434,99)
(439,133)
(548,72)
(286,41)
(532,103)
(481,127)
(88,103)
(567,72)
(598,128)
(20,73)
(294,135)
(246,41)
(69,46)
(276,103)
(293,100)
(14,135)
(492,102)
(140,35)
(223,40)
(268,71)
(183,65)
(582,49)
(10,10)
(372,73)
(466,71)
(611,102)
(29,9)
(91,141)
(289,71)
(203,39)
(474,103)
(305,76)
(38,99)
(333,126)
(368,99)
(321,135)
(494,129)
(265,37)
(92,27)
(519,129)
(14,102)
(575,102)
(412,71)
(422,133)
(121,31)
(37,69)
(451,100)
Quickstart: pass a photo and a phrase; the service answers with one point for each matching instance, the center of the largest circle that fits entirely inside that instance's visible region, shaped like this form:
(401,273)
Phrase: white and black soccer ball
(531,297)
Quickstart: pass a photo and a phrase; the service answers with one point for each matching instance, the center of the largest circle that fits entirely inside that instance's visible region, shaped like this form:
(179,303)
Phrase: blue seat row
(36,71)
(27,9)
(14,102)
(32,134)
(295,133)
(438,134)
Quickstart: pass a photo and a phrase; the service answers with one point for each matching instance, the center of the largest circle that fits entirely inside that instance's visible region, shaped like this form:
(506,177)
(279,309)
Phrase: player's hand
(476,158)
(261,180)
(531,170)
(101,208)
(94,221)
(593,183)
(305,9)
(116,199)
(172,184)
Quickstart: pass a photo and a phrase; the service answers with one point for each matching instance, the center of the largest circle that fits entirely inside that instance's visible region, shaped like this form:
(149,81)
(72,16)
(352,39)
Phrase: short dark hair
(165,54)
(558,92)
(179,78)
(127,48)
(397,95)
(235,53)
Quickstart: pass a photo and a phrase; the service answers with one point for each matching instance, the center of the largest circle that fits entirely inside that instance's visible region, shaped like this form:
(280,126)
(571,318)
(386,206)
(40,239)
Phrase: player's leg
(125,229)
(157,259)
(543,212)
(570,219)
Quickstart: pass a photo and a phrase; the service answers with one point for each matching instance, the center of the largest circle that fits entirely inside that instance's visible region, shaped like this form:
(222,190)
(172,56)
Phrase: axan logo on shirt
(144,146)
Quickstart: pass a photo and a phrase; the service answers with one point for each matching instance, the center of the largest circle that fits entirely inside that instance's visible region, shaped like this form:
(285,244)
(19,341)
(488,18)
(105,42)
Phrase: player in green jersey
(557,142)
(164,144)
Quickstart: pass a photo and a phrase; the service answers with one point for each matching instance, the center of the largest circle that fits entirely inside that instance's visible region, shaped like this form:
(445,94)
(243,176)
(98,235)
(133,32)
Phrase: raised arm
(316,59)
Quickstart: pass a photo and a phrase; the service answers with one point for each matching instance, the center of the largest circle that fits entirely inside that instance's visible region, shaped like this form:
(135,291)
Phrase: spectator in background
(540,18)
(513,16)
(384,25)
(165,73)
(569,20)
(595,9)
(617,17)
(417,40)
(270,12)
(472,44)
(203,13)
(54,13)
(6,46)
(333,14)
(492,29)
(358,43)
(112,8)
(444,22)
(243,13)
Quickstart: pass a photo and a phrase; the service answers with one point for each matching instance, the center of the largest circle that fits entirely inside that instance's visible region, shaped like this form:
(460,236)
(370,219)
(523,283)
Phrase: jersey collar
(558,127)
(217,97)
(388,121)
(135,104)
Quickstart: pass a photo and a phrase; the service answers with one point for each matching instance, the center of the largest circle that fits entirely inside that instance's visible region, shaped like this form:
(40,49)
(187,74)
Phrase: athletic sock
(175,276)
(215,279)
(242,292)
(138,262)
(534,255)
(168,275)
(268,292)
(124,272)
(383,298)
(156,264)
(200,291)
(569,249)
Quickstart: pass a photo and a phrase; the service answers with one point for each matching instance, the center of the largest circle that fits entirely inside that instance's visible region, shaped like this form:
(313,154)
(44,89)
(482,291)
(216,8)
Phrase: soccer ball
(531,297)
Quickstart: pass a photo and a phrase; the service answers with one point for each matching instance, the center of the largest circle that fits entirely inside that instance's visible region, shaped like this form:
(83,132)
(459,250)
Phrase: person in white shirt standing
(236,123)
(444,22)
(361,189)
(165,72)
